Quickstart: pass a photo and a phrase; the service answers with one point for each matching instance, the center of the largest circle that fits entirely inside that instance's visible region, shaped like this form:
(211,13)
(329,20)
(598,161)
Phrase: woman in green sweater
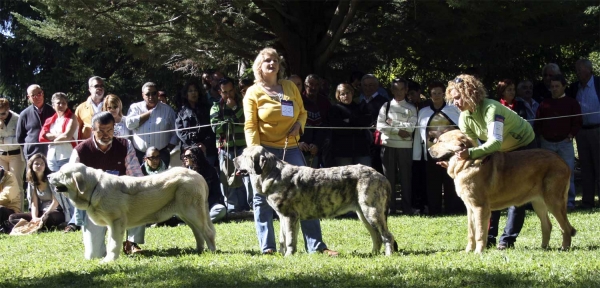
(499,129)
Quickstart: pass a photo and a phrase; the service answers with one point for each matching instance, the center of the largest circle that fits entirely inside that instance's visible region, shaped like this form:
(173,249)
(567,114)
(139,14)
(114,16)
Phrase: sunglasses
(458,80)
(98,86)
(153,158)
(152,94)
(186,157)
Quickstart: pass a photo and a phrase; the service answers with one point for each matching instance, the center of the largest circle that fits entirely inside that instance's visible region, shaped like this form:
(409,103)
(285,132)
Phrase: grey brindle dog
(300,193)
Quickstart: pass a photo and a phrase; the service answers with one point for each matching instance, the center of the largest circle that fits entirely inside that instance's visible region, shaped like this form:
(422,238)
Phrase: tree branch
(336,20)
(322,58)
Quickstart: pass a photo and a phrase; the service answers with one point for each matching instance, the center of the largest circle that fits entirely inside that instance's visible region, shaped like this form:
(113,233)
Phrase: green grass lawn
(431,255)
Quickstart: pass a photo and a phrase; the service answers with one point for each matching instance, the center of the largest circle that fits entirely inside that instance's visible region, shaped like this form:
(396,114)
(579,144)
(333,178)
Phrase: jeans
(565,150)
(263,213)
(238,198)
(95,235)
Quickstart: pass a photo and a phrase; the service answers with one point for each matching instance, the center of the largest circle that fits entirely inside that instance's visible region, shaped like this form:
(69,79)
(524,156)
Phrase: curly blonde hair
(470,89)
(260,59)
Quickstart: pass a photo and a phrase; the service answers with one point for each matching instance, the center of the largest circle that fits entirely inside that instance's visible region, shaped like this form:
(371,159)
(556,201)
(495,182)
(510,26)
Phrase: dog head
(75,180)
(448,144)
(255,160)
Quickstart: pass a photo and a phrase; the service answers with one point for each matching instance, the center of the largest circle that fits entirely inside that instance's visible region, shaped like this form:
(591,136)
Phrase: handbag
(377,134)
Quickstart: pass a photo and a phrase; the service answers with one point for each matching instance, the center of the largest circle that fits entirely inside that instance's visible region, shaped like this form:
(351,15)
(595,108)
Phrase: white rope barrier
(307,127)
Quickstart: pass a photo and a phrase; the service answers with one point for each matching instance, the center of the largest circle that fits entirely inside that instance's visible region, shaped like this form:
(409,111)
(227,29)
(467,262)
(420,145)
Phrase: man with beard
(86,110)
(525,94)
(115,156)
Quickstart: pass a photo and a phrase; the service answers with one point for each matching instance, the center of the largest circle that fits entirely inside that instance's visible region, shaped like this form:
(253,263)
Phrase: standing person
(419,167)
(557,134)
(42,203)
(587,93)
(434,120)
(541,90)
(152,123)
(31,121)
(373,101)
(113,104)
(115,156)
(86,110)
(500,129)
(57,130)
(162,97)
(317,108)
(349,146)
(525,94)
(193,158)
(11,199)
(396,122)
(297,81)
(11,156)
(505,91)
(244,84)
(275,117)
(226,117)
(195,111)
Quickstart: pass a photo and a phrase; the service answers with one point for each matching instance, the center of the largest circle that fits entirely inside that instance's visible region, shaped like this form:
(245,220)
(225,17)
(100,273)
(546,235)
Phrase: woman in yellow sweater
(275,118)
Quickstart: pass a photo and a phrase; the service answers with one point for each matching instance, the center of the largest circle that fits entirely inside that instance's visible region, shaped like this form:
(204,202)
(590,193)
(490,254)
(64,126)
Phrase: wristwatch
(234,107)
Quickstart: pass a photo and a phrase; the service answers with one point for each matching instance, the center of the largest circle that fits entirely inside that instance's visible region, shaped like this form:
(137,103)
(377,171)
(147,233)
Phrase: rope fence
(307,127)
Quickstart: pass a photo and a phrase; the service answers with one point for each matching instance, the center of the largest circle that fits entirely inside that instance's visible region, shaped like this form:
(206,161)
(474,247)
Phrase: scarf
(46,128)
(510,106)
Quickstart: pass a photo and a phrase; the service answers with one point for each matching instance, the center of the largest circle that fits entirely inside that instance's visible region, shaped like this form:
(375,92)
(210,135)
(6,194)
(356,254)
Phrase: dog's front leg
(283,227)
(115,240)
(481,220)
(291,237)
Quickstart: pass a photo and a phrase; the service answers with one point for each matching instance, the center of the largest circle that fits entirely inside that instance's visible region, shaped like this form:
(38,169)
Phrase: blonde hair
(113,99)
(4,103)
(470,89)
(260,58)
(342,87)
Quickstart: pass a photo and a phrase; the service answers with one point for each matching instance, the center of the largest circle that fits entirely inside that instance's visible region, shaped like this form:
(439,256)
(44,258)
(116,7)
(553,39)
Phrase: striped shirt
(234,128)
(162,118)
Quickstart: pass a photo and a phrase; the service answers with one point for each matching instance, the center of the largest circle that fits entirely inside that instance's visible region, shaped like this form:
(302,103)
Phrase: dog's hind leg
(116,232)
(373,225)
(559,210)
(541,210)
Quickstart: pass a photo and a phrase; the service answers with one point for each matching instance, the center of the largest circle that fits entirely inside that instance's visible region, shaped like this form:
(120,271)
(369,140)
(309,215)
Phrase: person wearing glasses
(275,119)
(152,123)
(194,158)
(500,129)
(112,103)
(11,156)
(31,121)
(152,162)
(86,110)
(60,127)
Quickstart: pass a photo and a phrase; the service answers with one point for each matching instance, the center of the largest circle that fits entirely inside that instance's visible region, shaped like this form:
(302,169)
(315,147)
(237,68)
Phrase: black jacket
(188,117)
(350,142)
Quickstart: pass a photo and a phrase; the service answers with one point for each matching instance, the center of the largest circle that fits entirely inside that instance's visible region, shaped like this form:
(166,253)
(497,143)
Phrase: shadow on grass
(256,275)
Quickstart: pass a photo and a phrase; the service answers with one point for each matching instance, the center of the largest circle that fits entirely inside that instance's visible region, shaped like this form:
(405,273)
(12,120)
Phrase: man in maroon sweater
(557,134)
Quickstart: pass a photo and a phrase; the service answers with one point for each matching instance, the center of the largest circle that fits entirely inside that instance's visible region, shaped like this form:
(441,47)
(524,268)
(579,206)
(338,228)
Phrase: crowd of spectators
(387,128)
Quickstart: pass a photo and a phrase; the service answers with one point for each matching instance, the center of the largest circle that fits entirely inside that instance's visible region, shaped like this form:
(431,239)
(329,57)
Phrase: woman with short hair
(57,131)
(274,118)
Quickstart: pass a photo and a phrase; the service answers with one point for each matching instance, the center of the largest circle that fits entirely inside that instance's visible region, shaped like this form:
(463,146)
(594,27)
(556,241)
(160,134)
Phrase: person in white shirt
(152,123)
(11,155)
(396,122)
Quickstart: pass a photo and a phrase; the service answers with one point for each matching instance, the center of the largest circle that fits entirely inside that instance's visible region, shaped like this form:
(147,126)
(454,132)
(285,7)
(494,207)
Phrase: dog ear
(257,164)
(78,177)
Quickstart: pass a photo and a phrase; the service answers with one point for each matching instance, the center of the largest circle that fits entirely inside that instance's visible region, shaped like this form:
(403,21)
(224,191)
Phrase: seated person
(152,163)
(10,198)
(193,158)
(43,205)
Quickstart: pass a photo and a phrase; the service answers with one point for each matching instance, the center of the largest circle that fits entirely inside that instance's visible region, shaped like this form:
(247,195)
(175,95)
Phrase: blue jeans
(263,213)
(565,150)
(239,198)
(55,165)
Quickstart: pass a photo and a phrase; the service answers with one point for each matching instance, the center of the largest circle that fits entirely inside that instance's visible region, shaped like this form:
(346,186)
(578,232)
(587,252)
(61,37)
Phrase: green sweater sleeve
(491,144)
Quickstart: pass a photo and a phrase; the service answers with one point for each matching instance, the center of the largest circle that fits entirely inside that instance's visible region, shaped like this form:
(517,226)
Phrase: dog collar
(92,194)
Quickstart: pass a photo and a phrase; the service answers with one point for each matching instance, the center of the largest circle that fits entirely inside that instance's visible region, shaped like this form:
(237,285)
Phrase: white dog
(121,202)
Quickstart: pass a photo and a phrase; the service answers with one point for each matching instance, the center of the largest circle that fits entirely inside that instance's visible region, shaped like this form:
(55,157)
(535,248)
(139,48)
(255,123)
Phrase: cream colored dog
(121,202)
(506,179)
